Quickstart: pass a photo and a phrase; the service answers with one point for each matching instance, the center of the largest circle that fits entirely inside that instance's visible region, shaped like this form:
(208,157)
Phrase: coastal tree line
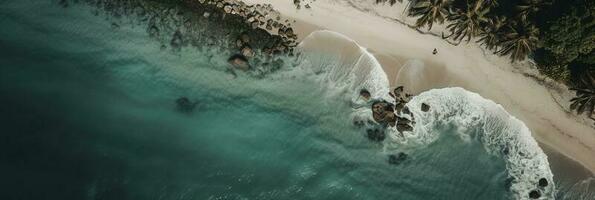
(559,35)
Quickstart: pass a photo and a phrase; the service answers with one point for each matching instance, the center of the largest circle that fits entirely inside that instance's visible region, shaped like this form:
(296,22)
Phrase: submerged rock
(376,135)
(396,159)
(358,123)
(508,182)
(185,105)
(176,40)
(245,38)
(239,61)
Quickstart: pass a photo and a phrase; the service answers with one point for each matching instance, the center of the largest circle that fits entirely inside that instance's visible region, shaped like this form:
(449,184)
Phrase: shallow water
(88,112)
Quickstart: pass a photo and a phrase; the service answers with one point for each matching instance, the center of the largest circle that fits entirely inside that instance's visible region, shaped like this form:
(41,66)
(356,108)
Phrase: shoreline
(395,45)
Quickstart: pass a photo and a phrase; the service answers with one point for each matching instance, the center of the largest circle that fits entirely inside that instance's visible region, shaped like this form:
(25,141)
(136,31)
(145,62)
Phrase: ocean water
(89,112)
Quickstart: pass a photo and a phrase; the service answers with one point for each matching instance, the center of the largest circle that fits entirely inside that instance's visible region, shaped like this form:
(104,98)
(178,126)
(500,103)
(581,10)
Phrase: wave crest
(501,134)
(344,65)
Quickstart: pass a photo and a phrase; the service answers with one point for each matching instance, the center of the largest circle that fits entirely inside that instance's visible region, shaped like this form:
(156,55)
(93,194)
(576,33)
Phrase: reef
(256,32)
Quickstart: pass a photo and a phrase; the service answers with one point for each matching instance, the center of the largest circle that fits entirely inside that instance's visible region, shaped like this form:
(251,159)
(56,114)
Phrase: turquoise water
(89,112)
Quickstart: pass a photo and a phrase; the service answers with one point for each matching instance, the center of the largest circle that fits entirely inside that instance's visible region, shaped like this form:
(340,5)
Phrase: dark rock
(396,159)
(239,43)
(403,121)
(534,194)
(425,107)
(508,182)
(365,94)
(505,150)
(289,31)
(406,110)
(543,182)
(383,112)
(404,127)
(254,25)
(63,3)
(239,61)
(358,123)
(376,135)
(227,9)
(247,51)
(176,40)
(115,25)
(153,31)
(397,91)
(399,106)
(245,38)
(185,105)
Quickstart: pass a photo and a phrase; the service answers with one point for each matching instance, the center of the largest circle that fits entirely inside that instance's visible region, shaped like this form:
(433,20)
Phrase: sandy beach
(406,56)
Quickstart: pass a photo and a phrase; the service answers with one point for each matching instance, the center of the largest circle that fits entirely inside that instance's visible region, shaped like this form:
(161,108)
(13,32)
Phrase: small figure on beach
(435,51)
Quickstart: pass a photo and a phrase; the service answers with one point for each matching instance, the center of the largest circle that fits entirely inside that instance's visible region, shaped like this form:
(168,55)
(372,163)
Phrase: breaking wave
(343,64)
(346,66)
(481,119)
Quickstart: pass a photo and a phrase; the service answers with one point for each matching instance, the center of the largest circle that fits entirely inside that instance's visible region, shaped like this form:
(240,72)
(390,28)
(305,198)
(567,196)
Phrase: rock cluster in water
(215,27)
(536,194)
(387,114)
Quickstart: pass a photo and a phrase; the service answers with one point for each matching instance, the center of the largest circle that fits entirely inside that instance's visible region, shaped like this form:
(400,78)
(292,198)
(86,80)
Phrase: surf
(349,66)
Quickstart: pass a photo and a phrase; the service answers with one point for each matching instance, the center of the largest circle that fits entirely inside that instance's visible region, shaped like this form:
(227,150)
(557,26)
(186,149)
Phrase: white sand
(495,78)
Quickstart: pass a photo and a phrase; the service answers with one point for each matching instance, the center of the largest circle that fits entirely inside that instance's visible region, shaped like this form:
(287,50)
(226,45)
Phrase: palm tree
(491,35)
(468,23)
(529,7)
(491,3)
(520,40)
(585,96)
(429,11)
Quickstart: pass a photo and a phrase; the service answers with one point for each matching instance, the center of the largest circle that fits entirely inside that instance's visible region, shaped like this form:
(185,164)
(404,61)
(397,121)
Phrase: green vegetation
(467,23)
(559,35)
(429,11)
(584,102)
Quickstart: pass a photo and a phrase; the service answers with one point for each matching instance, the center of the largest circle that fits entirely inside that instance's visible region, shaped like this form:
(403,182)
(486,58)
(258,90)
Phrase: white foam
(501,134)
(344,66)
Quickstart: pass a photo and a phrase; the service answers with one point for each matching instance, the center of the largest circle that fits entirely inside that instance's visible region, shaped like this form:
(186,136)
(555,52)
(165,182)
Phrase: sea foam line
(346,66)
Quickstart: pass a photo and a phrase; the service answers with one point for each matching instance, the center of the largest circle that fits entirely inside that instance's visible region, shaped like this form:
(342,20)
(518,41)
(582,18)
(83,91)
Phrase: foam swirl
(500,133)
(345,65)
